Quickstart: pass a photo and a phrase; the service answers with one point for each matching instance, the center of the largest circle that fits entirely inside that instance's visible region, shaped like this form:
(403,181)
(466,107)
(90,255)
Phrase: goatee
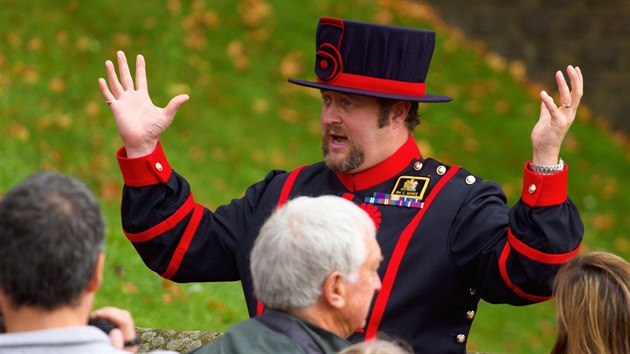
(354,159)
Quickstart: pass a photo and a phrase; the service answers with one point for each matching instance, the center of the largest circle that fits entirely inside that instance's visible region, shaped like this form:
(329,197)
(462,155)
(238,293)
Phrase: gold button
(158,166)
(470,315)
(461,338)
(532,189)
(472,291)
(470,179)
(417,166)
(441,170)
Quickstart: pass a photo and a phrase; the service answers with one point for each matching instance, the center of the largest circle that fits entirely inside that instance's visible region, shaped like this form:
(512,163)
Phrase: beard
(353,160)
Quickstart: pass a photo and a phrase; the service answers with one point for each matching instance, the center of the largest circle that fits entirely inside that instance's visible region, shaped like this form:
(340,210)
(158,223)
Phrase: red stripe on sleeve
(165,225)
(506,278)
(536,255)
(397,255)
(184,243)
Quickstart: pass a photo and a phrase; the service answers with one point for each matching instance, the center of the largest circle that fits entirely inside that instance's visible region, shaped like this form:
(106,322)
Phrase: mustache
(335,129)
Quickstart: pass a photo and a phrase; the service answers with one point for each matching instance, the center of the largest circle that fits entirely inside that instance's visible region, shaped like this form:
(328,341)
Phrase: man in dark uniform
(448,238)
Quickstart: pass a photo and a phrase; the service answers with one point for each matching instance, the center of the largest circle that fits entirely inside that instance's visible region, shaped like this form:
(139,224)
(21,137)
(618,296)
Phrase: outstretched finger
(563,88)
(141,73)
(548,104)
(577,83)
(115,85)
(107,94)
(176,102)
(123,70)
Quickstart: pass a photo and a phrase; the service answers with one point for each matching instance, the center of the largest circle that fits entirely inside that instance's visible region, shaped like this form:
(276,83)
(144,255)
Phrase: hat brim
(426,98)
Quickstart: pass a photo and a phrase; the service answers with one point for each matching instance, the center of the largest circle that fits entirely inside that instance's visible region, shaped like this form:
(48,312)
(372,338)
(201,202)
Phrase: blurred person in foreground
(449,239)
(51,266)
(593,305)
(314,267)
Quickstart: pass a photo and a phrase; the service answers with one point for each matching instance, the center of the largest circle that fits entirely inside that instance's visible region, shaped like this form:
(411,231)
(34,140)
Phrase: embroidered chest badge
(411,186)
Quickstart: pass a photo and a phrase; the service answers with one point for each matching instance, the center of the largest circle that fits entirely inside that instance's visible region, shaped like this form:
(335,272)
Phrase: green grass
(242,122)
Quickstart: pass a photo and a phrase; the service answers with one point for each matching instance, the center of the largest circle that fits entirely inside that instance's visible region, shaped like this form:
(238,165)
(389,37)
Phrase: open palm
(140,123)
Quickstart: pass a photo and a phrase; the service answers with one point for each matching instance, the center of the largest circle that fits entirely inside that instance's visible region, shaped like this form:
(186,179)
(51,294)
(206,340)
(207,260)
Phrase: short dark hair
(385,105)
(51,233)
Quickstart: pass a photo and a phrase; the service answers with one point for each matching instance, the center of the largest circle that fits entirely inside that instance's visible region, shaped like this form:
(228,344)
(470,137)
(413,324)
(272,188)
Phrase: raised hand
(140,123)
(555,120)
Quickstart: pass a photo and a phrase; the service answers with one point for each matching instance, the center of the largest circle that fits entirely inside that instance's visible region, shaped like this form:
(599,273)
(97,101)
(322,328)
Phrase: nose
(377,286)
(330,114)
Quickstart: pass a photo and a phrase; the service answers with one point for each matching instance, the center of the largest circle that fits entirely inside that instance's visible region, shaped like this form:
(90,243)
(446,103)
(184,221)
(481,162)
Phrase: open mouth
(338,139)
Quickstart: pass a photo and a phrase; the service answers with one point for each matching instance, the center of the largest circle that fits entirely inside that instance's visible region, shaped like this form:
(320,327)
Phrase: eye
(346,102)
(326,99)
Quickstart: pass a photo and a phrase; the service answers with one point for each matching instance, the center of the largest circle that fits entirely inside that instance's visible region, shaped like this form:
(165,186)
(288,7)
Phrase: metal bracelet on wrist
(547,170)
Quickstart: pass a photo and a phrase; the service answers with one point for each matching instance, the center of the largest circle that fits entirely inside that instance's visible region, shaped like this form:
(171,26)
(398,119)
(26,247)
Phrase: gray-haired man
(314,267)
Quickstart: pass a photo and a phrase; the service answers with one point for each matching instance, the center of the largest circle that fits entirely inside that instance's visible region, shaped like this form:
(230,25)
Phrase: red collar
(383,171)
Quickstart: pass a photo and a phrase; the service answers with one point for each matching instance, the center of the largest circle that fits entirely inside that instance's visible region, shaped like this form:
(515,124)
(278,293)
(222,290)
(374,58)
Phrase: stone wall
(180,341)
(548,35)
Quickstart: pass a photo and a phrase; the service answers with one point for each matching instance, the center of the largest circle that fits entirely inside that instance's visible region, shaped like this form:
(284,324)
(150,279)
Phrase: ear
(398,112)
(2,302)
(334,290)
(97,275)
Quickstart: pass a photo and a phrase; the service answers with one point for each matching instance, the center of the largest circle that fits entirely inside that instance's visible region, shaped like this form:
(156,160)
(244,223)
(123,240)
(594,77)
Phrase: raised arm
(140,123)
(555,120)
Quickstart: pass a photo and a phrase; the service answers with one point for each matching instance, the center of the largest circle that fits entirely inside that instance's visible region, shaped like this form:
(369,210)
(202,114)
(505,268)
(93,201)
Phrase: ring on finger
(110,102)
(565,105)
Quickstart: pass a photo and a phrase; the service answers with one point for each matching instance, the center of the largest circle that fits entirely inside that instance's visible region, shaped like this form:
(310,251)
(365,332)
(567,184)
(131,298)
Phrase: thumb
(176,102)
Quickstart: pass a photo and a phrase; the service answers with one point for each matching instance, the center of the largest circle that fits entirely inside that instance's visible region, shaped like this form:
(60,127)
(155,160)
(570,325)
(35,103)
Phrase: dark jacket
(460,244)
(252,336)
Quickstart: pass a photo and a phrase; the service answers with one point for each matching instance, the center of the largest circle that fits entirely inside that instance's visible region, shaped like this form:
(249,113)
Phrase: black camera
(102,324)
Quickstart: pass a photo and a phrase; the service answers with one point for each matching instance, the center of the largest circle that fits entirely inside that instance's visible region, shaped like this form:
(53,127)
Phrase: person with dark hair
(51,266)
(593,305)
(449,238)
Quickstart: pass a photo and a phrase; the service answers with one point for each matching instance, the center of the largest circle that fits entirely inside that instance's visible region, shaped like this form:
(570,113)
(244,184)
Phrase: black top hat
(373,60)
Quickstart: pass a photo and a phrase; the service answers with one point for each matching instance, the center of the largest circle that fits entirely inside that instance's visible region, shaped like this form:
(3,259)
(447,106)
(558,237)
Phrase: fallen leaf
(173,6)
(291,64)
(128,288)
(289,115)
(254,12)
(603,222)
(57,85)
(260,106)
(496,62)
(19,132)
(34,44)
(236,52)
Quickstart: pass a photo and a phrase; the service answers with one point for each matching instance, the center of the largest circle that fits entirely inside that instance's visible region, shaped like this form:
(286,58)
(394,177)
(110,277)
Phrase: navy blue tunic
(460,244)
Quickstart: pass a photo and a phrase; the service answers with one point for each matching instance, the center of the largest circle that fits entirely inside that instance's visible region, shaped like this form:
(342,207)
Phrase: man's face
(351,138)
(368,282)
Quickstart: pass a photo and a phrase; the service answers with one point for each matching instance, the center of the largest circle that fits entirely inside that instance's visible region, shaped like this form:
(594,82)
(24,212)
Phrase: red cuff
(144,170)
(544,190)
